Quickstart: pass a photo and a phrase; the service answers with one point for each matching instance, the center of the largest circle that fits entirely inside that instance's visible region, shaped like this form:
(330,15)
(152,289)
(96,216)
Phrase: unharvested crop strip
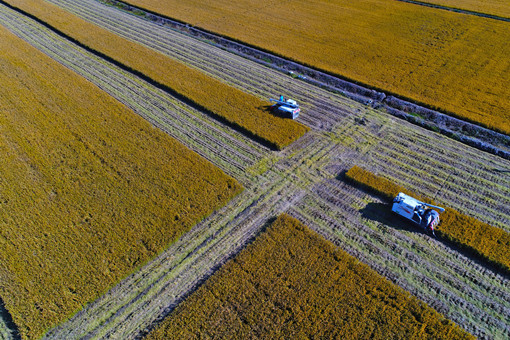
(479,318)
(377,126)
(429,65)
(177,276)
(342,227)
(229,150)
(89,190)
(495,197)
(225,66)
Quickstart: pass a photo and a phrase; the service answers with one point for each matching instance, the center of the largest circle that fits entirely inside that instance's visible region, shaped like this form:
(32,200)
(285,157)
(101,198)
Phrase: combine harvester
(417,211)
(287,108)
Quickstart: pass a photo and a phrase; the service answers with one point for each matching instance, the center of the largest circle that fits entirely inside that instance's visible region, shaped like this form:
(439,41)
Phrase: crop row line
(440,121)
(481,201)
(301,168)
(335,193)
(208,245)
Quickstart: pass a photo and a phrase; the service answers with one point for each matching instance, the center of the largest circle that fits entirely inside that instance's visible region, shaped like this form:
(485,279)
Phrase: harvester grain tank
(288,108)
(418,212)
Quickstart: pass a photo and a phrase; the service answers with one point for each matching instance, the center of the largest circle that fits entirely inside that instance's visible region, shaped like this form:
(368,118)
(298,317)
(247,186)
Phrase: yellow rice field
(89,191)
(458,63)
(228,103)
(293,284)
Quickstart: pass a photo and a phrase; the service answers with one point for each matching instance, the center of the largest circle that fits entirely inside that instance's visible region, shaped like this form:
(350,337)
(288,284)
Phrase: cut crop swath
(450,61)
(228,104)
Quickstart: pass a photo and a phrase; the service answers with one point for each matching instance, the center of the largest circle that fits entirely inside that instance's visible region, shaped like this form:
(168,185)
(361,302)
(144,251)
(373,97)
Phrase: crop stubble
(89,191)
(229,150)
(491,243)
(222,65)
(456,62)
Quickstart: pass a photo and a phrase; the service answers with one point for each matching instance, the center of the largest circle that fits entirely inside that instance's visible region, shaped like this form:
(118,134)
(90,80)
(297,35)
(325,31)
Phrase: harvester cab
(418,212)
(288,108)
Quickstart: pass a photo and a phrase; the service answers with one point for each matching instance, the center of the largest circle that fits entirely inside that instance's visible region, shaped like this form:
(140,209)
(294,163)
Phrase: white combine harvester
(417,211)
(288,108)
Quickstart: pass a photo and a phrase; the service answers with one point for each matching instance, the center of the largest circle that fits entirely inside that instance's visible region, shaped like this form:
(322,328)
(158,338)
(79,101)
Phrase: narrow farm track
(302,180)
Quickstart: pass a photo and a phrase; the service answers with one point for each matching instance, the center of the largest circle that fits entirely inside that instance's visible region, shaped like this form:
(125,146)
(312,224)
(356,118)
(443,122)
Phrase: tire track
(436,274)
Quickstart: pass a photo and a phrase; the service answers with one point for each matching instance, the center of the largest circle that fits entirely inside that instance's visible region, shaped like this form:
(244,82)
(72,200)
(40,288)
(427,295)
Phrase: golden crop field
(240,109)
(291,283)
(89,191)
(495,7)
(488,242)
(458,63)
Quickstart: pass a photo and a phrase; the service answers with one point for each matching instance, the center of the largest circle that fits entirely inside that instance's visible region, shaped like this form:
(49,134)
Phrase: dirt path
(302,180)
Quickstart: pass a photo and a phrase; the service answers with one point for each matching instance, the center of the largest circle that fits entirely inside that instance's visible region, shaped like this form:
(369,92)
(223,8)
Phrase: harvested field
(289,283)
(454,62)
(302,180)
(89,191)
(246,112)
(490,243)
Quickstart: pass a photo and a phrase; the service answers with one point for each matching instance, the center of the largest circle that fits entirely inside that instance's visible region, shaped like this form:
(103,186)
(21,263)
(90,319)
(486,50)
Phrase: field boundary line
(457,10)
(421,114)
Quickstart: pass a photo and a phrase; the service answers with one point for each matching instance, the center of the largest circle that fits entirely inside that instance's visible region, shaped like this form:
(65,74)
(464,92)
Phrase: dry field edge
(459,128)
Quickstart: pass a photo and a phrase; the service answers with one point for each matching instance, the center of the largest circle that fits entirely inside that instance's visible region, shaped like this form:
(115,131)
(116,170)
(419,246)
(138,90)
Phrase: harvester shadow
(267,108)
(381,212)
(7,320)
